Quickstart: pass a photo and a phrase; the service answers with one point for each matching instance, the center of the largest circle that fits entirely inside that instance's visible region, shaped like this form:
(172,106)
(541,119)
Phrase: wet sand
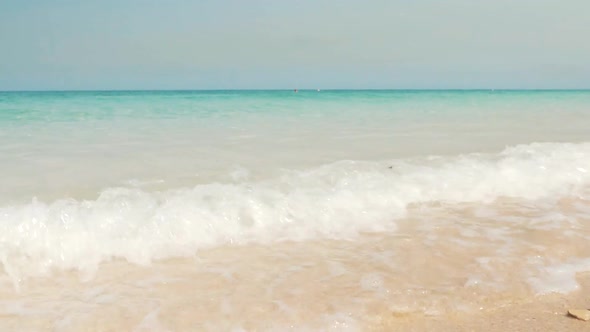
(286,288)
(507,266)
(541,313)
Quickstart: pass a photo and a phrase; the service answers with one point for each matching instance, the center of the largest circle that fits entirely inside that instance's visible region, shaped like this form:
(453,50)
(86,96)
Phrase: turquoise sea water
(75,145)
(482,178)
(69,106)
(56,144)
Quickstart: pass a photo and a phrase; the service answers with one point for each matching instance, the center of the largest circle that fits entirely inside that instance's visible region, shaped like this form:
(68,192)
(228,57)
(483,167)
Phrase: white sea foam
(559,278)
(337,200)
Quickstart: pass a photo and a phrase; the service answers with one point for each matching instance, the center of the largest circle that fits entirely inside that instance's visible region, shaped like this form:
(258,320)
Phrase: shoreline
(310,285)
(540,313)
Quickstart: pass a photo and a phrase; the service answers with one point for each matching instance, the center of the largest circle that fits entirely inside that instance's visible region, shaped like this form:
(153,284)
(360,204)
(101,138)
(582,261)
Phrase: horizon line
(300,89)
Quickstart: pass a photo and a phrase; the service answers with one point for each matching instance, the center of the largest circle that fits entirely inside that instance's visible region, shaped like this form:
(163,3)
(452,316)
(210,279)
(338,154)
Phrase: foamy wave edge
(337,200)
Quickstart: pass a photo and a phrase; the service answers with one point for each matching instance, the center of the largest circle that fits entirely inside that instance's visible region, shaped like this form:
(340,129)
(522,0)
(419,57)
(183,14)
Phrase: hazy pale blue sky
(206,44)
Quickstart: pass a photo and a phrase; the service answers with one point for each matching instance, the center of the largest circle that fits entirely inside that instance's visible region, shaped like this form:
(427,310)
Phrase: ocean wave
(337,200)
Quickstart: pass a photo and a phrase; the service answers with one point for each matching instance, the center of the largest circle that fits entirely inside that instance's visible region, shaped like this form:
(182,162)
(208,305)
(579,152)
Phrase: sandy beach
(375,283)
(294,166)
(541,313)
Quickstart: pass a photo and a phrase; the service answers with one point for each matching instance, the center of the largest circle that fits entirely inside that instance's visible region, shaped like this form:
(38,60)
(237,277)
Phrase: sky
(278,44)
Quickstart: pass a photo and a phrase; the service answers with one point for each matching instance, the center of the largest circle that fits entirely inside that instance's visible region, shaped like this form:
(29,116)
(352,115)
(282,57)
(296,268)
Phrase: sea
(282,210)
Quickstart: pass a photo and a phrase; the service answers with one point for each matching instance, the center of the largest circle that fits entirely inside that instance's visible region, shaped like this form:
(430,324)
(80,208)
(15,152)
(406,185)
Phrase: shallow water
(270,210)
(451,259)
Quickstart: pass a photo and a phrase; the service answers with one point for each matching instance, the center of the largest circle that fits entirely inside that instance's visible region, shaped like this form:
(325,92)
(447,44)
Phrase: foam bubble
(333,201)
(372,282)
(559,278)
